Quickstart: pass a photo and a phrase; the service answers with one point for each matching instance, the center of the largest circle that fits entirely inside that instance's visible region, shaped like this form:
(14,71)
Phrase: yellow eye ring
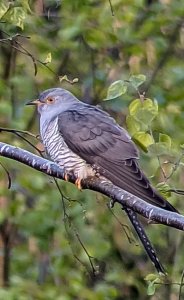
(50,100)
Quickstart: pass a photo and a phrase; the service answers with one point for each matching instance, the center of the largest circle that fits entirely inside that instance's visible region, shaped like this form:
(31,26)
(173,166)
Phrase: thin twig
(181,285)
(28,142)
(8,175)
(66,217)
(11,38)
(124,226)
(176,191)
(18,131)
(85,250)
(175,167)
(111,7)
(26,52)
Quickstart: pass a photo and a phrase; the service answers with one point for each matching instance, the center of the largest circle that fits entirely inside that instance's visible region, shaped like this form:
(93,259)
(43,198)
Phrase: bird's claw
(111,203)
(77,181)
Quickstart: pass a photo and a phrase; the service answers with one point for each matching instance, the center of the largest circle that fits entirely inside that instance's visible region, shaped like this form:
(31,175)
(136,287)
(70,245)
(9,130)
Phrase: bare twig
(24,51)
(125,227)
(8,175)
(176,191)
(18,131)
(175,166)
(111,7)
(67,219)
(85,250)
(181,285)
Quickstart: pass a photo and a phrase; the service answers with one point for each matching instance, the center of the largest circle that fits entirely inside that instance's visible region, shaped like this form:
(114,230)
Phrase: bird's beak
(34,102)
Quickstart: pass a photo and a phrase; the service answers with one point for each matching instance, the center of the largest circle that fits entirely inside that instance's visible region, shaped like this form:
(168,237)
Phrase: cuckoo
(85,140)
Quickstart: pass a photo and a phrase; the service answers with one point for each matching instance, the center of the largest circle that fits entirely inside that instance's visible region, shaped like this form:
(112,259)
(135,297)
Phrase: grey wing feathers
(93,132)
(94,135)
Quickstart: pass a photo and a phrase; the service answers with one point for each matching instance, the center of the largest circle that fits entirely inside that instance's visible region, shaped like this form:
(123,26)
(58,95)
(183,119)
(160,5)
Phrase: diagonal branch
(130,203)
(98,184)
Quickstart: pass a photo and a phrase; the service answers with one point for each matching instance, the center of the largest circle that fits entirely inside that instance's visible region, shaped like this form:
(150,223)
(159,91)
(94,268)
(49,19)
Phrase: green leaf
(151,277)
(151,289)
(134,106)
(116,89)
(143,140)
(137,80)
(150,105)
(143,111)
(164,138)
(16,16)
(3,8)
(164,188)
(48,58)
(133,126)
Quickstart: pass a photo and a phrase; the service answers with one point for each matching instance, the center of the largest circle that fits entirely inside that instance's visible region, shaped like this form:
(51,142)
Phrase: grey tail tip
(162,272)
(160,269)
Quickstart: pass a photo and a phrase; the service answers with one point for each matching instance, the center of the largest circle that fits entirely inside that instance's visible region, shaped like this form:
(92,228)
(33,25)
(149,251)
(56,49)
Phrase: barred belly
(59,152)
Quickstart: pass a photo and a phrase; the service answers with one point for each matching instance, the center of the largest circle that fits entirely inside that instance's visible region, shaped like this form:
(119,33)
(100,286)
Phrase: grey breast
(58,150)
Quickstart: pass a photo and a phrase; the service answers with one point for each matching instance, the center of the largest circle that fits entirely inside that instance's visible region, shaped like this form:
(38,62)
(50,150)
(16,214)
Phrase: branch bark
(130,203)
(98,184)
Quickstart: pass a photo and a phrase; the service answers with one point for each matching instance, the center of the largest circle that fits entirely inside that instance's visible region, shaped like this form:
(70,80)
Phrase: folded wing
(97,138)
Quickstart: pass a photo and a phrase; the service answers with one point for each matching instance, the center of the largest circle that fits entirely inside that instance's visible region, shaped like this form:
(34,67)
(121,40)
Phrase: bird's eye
(50,100)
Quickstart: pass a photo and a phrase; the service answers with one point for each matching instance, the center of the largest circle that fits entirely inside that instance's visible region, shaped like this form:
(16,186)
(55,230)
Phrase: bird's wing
(94,135)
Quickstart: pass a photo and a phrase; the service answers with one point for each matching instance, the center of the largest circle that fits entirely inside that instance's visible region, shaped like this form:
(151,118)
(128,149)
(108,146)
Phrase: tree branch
(130,203)
(98,184)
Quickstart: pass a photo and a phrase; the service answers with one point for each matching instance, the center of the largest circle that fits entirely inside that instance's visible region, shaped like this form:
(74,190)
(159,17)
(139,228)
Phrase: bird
(86,141)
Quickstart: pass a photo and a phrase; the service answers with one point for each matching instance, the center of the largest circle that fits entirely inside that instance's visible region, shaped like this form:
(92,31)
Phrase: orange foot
(66,177)
(78,183)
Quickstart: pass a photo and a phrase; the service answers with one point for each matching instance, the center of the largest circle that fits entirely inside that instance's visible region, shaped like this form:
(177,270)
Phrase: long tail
(145,240)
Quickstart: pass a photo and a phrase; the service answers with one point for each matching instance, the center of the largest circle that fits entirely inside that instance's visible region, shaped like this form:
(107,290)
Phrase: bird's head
(54,101)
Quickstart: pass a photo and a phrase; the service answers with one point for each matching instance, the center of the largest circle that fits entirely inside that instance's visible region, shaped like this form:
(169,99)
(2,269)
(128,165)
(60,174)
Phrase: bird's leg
(78,183)
(66,177)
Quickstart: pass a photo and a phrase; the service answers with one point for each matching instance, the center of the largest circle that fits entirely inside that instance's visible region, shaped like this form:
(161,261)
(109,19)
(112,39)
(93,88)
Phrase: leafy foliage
(133,55)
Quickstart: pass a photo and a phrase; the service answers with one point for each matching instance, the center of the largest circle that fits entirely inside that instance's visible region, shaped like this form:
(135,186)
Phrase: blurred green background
(72,246)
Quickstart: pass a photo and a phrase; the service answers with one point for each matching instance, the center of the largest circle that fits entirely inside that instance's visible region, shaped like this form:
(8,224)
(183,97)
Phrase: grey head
(53,101)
